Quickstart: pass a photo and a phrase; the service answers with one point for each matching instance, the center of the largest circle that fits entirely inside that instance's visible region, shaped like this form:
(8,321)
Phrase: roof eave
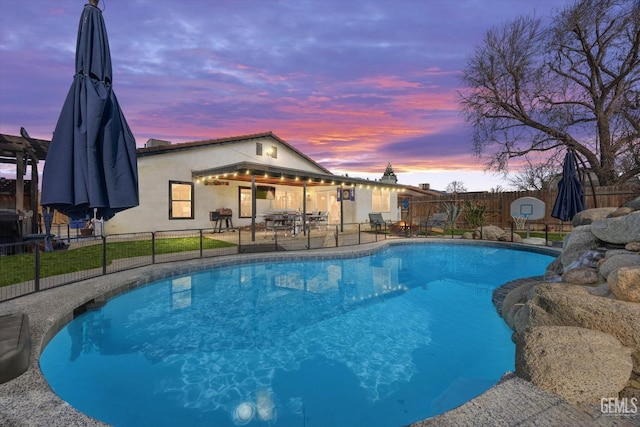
(247,169)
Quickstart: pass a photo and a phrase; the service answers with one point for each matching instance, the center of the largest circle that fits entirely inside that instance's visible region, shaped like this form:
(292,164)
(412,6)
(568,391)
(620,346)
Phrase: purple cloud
(372,77)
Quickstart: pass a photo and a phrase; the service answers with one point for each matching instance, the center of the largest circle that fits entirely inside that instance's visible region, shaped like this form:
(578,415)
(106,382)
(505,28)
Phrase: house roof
(164,149)
(263,173)
(411,190)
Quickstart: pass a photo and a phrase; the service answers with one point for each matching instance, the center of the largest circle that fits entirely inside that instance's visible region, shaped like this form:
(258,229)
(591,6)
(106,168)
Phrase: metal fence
(26,268)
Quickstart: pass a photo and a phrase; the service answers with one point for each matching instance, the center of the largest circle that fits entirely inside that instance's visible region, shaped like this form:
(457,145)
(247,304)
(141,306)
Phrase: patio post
(304,208)
(253,208)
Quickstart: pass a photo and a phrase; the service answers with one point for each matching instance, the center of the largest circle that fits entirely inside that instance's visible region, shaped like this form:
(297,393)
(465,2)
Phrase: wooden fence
(499,204)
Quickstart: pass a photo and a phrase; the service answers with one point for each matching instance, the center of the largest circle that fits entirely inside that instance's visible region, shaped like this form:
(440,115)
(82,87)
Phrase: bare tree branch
(573,83)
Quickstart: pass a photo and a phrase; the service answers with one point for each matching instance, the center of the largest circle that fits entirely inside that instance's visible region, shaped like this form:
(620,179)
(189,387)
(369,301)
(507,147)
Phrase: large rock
(633,246)
(554,271)
(576,243)
(620,230)
(618,260)
(582,276)
(490,232)
(515,300)
(587,216)
(580,365)
(625,284)
(570,305)
(620,212)
(633,203)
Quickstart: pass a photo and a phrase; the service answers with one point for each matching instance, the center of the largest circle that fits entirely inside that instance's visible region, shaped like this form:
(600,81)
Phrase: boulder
(570,305)
(601,290)
(490,232)
(618,260)
(633,203)
(515,301)
(620,230)
(620,212)
(554,271)
(577,243)
(586,276)
(625,283)
(587,216)
(632,247)
(578,364)
(467,235)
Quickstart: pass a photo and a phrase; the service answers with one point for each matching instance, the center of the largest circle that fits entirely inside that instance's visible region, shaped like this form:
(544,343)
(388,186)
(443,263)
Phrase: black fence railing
(26,267)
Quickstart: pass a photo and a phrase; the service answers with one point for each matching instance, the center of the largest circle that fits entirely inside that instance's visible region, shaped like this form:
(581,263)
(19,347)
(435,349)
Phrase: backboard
(529,207)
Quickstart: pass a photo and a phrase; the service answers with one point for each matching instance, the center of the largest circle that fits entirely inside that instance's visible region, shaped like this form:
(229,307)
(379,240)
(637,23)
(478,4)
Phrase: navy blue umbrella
(91,162)
(570,198)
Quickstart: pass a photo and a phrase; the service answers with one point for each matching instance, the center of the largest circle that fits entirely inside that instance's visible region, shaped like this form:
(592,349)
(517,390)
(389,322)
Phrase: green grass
(20,268)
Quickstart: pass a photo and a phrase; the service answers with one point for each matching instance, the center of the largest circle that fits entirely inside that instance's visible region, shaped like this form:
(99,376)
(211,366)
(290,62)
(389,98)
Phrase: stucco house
(251,175)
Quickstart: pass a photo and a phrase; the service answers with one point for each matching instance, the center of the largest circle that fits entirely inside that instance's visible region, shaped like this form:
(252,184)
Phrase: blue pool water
(383,340)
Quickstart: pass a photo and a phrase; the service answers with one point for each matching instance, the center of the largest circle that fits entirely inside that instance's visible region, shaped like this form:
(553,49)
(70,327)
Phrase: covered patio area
(310,201)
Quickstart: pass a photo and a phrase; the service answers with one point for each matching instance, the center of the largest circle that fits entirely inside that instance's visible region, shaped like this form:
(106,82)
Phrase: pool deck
(28,400)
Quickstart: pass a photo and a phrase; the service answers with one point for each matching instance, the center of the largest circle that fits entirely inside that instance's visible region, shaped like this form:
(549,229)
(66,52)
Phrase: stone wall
(577,331)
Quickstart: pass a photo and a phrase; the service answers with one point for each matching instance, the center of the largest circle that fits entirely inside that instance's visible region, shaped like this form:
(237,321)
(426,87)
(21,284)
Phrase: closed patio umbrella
(91,162)
(570,198)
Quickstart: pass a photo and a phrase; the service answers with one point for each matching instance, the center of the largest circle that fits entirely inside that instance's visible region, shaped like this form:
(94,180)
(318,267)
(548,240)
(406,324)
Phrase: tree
(534,176)
(456,187)
(573,84)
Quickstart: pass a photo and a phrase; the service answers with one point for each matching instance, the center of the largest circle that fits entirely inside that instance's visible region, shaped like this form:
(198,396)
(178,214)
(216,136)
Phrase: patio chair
(435,221)
(320,219)
(377,222)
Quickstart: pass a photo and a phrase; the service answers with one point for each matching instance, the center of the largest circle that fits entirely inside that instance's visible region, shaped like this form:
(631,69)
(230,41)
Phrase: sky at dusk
(354,84)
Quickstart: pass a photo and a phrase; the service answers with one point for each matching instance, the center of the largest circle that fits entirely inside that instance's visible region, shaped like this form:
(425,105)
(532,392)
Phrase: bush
(474,213)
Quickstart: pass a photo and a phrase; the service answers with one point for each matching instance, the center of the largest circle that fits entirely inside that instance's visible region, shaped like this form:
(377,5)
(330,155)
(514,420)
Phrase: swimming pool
(388,339)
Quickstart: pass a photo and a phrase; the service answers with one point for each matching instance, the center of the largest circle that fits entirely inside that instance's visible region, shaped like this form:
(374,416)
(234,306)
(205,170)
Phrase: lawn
(20,268)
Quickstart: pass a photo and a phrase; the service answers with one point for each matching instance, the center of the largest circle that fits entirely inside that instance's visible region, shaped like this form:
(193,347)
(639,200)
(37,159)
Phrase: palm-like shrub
(474,213)
(453,213)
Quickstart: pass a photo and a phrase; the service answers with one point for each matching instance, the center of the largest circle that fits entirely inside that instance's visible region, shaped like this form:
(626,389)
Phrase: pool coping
(28,399)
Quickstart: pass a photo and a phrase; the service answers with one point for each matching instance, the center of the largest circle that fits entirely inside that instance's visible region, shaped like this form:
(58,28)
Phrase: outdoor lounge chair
(319,219)
(435,221)
(377,222)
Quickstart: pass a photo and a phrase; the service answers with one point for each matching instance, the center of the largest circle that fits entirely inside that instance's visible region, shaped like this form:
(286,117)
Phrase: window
(180,200)
(273,152)
(245,202)
(381,201)
(258,148)
(288,200)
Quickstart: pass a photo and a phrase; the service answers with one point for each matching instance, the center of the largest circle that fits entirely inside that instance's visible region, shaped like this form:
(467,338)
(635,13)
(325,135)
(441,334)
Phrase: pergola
(22,152)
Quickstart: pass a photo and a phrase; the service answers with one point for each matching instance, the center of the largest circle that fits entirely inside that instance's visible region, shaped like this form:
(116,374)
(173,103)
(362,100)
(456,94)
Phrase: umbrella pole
(585,171)
(47,214)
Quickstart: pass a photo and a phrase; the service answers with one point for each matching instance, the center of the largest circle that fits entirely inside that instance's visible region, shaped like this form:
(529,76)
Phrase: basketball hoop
(520,220)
